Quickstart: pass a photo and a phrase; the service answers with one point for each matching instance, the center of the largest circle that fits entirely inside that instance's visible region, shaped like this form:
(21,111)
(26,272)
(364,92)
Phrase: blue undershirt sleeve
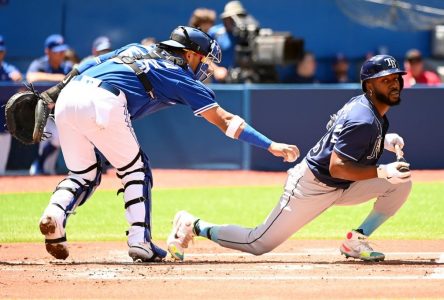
(253,137)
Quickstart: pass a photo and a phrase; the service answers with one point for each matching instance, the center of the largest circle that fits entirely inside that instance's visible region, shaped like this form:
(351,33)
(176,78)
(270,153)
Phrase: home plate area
(297,269)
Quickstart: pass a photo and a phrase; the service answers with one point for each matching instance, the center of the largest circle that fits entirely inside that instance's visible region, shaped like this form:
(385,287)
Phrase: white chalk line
(438,272)
(323,252)
(430,273)
(228,277)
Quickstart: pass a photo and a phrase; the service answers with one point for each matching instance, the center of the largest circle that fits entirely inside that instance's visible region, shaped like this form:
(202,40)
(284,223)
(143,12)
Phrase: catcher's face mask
(205,68)
(199,42)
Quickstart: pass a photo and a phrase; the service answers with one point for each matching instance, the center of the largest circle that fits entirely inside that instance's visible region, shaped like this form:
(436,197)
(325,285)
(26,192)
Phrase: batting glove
(391,172)
(392,139)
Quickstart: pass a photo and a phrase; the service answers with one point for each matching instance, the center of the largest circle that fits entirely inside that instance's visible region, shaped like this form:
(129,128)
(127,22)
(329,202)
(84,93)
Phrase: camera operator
(223,34)
(249,53)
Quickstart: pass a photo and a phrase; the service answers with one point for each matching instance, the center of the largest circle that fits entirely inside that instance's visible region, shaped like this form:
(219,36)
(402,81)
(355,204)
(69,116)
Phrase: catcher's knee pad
(137,181)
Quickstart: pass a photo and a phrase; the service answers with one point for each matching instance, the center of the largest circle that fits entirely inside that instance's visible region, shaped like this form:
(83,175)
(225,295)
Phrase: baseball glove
(27,112)
(26,115)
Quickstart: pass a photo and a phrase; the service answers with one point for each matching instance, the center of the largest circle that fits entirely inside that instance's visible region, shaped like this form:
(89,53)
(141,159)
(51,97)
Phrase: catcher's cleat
(356,246)
(146,252)
(55,238)
(181,234)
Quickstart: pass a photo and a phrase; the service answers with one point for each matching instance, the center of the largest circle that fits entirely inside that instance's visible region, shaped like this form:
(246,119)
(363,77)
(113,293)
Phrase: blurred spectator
(100,45)
(416,73)
(202,18)
(148,41)
(341,68)
(71,55)
(223,34)
(305,70)
(8,72)
(51,67)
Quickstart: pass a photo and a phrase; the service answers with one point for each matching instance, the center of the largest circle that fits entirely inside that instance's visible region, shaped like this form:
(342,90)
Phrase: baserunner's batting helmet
(379,66)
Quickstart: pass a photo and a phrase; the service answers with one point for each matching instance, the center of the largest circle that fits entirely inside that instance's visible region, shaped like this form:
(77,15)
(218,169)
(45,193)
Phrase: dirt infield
(298,269)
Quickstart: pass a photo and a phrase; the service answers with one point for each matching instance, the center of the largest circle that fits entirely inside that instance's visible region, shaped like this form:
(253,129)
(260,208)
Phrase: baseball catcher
(27,112)
(95,111)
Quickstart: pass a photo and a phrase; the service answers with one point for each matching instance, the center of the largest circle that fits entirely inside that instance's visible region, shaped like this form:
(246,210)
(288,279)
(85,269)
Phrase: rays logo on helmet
(391,62)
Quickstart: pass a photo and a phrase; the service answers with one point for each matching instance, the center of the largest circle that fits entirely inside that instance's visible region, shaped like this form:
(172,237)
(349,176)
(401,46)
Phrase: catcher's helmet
(189,38)
(379,66)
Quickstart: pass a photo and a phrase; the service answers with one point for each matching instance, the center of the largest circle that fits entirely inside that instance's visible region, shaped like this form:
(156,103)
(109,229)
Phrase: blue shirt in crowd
(42,65)
(227,43)
(5,71)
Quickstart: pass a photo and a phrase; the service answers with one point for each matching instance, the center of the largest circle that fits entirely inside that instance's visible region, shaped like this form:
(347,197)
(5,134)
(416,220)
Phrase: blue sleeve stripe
(346,155)
(206,107)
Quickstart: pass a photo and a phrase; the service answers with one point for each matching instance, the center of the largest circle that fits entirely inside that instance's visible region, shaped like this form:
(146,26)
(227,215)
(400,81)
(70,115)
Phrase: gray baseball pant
(305,198)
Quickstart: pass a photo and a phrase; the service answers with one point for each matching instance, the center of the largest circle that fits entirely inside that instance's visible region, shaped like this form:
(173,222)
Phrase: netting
(406,15)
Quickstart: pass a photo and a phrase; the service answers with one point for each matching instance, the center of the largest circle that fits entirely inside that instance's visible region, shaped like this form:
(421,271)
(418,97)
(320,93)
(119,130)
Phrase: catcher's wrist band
(234,125)
(253,137)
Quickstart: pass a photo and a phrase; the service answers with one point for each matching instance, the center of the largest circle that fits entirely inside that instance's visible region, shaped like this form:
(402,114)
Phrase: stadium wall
(294,114)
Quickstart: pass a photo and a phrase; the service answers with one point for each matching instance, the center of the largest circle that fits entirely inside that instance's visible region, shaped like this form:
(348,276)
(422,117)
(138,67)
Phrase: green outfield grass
(102,217)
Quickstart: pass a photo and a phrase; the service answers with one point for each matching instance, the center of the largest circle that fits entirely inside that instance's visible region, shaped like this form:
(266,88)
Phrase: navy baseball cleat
(356,246)
(146,252)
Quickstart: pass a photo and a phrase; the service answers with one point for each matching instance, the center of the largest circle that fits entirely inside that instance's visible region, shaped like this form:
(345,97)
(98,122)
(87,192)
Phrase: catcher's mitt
(26,115)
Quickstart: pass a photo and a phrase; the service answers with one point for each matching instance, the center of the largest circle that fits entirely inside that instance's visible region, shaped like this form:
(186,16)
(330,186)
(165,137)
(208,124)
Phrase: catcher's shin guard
(71,192)
(137,181)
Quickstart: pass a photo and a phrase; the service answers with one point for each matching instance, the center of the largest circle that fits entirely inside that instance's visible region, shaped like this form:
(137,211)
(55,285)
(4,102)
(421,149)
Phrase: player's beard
(386,99)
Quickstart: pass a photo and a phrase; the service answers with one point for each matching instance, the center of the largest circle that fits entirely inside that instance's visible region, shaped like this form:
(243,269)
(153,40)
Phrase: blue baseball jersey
(171,83)
(42,65)
(5,70)
(357,134)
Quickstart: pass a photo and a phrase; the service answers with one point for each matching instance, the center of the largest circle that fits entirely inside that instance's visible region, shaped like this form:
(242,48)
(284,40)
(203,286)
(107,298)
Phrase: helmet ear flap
(401,81)
(363,86)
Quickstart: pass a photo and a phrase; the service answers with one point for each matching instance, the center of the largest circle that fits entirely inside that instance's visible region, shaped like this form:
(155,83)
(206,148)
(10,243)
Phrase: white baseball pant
(88,116)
